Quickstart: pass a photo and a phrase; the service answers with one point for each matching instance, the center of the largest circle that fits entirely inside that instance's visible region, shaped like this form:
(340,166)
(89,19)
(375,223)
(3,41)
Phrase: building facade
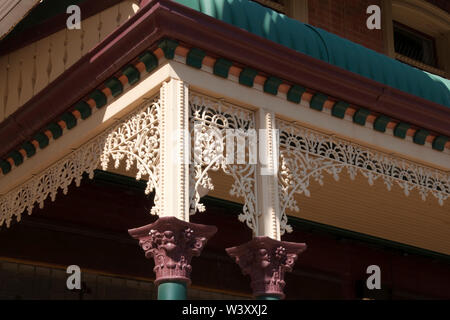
(247,149)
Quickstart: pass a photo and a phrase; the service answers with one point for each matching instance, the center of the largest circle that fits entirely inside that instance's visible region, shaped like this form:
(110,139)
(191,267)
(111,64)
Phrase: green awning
(325,46)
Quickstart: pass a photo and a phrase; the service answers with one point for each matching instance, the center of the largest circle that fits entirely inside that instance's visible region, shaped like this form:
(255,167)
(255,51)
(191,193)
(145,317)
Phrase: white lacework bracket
(133,139)
(306,154)
(209,120)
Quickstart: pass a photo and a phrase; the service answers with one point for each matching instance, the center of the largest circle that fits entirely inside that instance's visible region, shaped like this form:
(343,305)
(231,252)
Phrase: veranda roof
(326,46)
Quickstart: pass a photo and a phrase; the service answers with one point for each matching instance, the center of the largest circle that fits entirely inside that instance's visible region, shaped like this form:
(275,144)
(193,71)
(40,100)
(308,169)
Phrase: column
(266,258)
(172,241)
(266,261)
(268,203)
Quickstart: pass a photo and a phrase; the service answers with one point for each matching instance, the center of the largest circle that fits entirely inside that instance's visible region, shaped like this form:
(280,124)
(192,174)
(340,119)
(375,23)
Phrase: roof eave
(158,19)
(18,11)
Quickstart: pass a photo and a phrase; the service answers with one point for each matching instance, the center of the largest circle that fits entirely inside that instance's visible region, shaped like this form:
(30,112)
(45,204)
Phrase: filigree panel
(134,139)
(307,155)
(209,121)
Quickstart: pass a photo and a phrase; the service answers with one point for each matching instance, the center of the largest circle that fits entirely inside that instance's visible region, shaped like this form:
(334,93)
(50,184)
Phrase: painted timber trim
(196,58)
(294,93)
(167,19)
(83,109)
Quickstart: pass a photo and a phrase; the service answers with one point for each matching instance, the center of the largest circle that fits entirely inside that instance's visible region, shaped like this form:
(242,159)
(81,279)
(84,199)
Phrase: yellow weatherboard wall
(28,70)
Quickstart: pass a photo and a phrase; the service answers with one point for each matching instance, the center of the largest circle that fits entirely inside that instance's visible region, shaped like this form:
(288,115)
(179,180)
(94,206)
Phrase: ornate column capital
(266,261)
(172,243)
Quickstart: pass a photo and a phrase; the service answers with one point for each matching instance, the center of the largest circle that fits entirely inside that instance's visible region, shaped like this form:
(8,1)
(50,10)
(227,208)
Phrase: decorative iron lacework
(296,93)
(209,118)
(134,139)
(306,154)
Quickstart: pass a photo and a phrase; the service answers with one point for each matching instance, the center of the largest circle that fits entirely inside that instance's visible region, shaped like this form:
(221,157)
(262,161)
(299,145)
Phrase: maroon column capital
(172,243)
(266,261)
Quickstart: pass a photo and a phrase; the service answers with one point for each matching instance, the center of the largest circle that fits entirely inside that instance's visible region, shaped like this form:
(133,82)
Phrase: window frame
(420,34)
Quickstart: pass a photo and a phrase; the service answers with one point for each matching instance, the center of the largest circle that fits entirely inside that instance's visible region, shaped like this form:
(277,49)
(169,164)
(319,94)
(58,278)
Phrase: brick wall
(346,18)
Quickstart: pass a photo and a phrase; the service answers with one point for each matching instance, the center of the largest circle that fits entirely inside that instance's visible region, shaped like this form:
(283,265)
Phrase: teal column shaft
(172,291)
(268,297)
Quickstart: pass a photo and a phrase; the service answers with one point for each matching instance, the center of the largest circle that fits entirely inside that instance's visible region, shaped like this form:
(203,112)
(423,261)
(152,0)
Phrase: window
(422,25)
(414,45)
